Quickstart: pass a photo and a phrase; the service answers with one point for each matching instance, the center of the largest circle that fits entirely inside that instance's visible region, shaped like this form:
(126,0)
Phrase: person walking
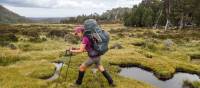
(93,56)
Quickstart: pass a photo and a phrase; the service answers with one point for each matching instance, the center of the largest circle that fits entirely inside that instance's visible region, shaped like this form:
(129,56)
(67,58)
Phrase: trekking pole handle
(68,53)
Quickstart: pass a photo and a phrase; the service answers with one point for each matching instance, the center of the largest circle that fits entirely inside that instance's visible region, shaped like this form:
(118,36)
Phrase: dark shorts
(92,60)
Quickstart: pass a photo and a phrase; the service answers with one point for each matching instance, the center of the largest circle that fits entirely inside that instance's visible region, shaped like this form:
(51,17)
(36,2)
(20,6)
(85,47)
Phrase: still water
(148,77)
(57,72)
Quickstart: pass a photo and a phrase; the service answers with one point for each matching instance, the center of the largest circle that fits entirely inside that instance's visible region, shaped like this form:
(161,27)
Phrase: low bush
(8,37)
(24,47)
(37,39)
(30,33)
(70,38)
(57,33)
(7,58)
(5,29)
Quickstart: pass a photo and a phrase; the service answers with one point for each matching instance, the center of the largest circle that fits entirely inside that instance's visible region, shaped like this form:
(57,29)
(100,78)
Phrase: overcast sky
(63,8)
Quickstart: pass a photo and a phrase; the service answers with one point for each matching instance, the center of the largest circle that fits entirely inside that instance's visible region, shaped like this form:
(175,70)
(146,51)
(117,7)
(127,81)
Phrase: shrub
(57,33)
(30,33)
(150,33)
(37,39)
(8,58)
(119,30)
(4,43)
(8,37)
(5,39)
(5,29)
(24,47)
(71,39)
(194,55)
(149,44)
(12,46)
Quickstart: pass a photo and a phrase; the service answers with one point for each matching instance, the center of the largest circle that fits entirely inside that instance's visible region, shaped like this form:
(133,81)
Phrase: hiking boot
(108,77)
(80,77)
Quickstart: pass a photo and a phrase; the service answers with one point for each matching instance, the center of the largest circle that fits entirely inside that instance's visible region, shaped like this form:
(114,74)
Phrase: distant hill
(7,16)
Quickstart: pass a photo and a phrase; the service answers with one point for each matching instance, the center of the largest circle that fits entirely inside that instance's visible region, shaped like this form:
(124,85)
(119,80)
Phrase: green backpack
(98,37)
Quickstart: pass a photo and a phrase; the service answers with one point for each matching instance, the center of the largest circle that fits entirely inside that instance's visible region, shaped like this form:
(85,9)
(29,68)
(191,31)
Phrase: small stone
(168,43)
(116,46)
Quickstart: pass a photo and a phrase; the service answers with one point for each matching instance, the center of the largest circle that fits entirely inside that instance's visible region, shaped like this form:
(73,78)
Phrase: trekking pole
(70,55)
(67,53)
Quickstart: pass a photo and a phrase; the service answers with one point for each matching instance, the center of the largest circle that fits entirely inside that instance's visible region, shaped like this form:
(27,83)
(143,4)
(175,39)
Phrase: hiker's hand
(77,50)
(71,49)
(67,51)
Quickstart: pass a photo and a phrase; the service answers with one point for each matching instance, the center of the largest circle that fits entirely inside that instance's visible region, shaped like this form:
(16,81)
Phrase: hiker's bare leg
(82,68)
(101,68)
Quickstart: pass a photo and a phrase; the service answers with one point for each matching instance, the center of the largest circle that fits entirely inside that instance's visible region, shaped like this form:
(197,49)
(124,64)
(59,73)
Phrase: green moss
(192,84)
(8,56)
(11,78)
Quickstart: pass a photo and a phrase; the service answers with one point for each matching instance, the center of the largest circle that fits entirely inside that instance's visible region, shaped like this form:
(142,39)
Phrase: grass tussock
(30,63)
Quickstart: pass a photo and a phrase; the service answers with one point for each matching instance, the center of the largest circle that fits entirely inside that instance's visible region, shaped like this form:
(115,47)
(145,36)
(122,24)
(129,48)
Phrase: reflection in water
(148,77)
(57,71)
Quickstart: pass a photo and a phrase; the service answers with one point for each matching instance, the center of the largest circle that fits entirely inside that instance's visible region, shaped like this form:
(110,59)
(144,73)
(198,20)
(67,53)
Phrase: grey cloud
(69,3)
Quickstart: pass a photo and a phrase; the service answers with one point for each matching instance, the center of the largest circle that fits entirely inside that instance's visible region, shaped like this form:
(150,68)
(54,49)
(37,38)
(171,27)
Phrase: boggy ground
(28,50)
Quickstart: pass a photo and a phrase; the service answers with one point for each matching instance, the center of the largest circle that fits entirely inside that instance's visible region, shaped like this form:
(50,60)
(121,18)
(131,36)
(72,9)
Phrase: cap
(79,29)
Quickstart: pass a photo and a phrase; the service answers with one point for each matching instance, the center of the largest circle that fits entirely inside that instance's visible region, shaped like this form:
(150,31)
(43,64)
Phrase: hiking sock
(108,77)
(80,77)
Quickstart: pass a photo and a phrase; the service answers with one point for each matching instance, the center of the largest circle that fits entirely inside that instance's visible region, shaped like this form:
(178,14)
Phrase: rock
(168,43)
(116,46)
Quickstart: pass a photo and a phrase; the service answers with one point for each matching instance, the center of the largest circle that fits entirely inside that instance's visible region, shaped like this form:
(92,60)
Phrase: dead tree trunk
(168,24)
(181,21)
(182,16)
(156,24)
(168,11)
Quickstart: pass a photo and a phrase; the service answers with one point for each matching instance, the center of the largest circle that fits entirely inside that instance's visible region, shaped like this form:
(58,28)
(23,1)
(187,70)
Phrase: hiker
(93,56)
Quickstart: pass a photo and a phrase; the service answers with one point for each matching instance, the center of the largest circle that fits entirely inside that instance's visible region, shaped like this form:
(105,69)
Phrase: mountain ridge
(8,16)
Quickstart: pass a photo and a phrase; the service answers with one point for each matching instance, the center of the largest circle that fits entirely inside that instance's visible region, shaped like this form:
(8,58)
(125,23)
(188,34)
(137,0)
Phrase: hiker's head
(79,31)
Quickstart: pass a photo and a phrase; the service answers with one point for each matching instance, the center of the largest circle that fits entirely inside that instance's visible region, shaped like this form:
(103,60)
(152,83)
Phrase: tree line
(150,13)
(168,13)
(115,15)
